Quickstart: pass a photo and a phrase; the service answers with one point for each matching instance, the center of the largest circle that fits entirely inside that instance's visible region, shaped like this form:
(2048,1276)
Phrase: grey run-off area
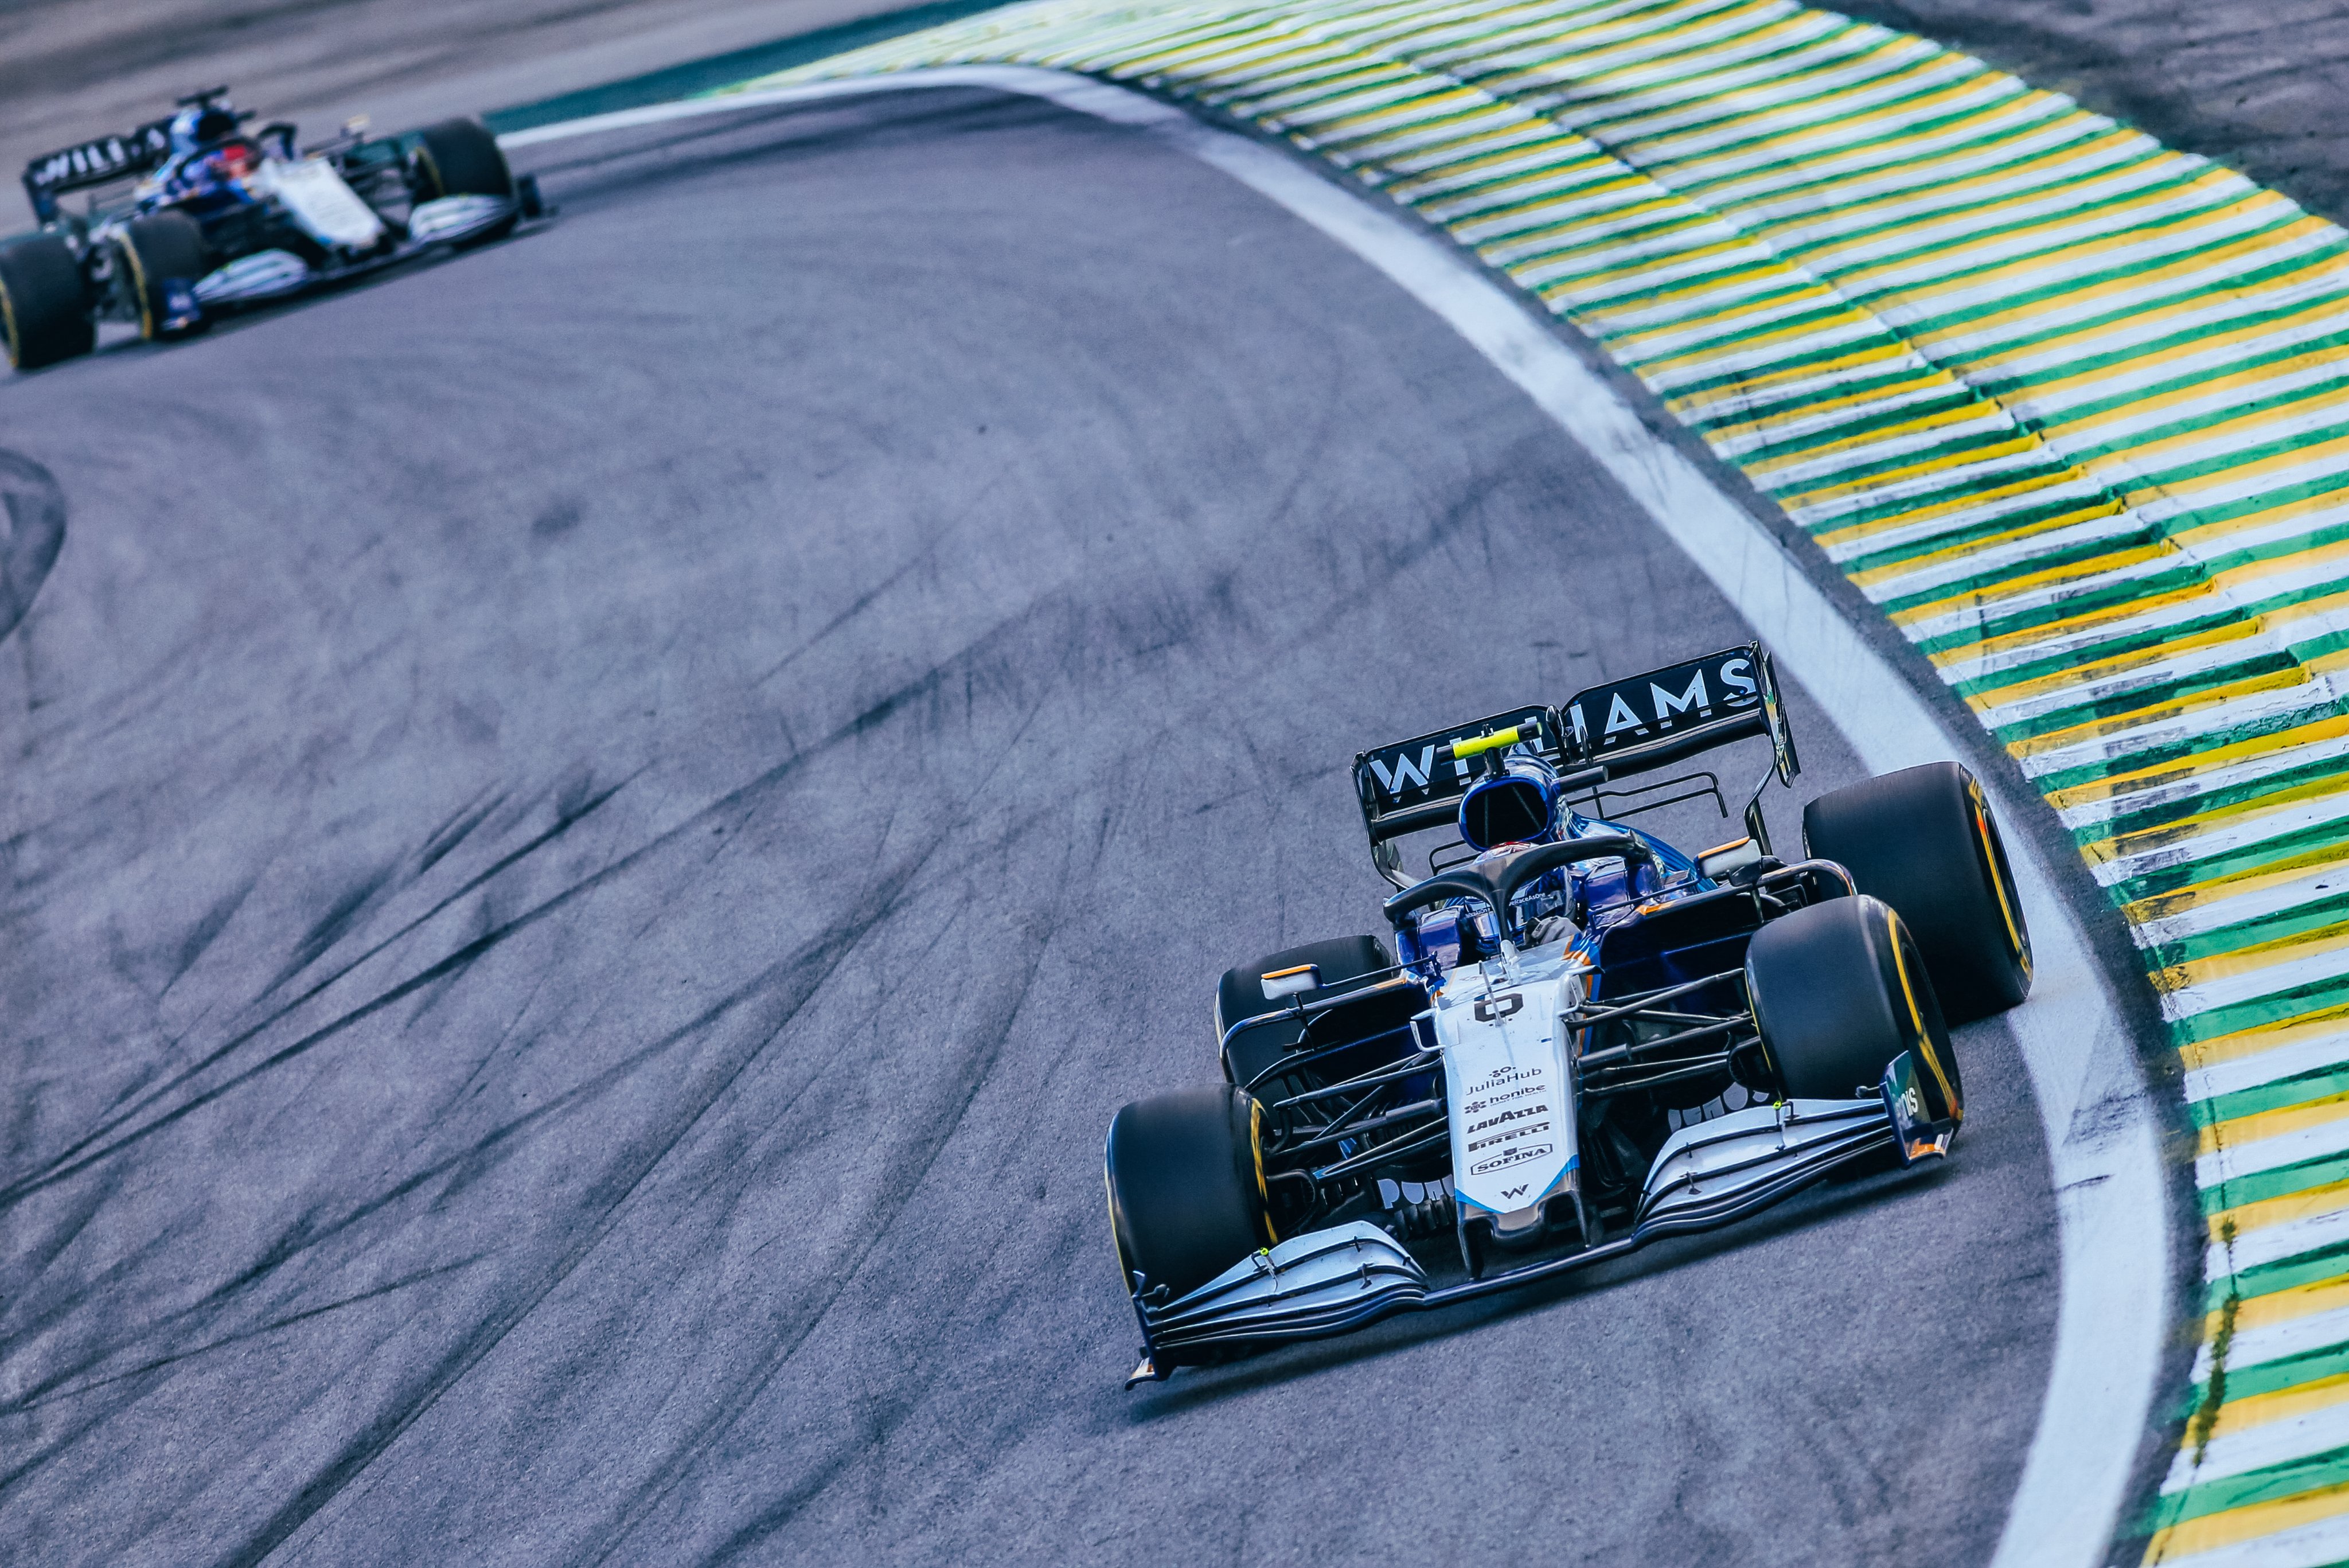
(573,937)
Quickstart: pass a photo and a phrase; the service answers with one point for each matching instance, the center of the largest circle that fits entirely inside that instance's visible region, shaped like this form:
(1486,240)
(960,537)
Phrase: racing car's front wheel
(1186,1197)
(461,158)
(44,310)
(156,251)
(1839,990)
(1924,840)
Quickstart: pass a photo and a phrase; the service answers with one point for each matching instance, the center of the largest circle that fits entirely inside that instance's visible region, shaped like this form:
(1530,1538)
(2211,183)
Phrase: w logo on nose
(1512,1192)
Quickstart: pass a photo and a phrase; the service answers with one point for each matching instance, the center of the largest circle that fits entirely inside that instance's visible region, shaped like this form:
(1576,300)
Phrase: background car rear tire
(44,311)
(1924,840)
(461,158)
(1839,990)
(155,249)
(1185,1181)
(1240,995)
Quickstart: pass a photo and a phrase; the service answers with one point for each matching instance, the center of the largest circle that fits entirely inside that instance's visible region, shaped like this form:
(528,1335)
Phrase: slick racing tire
(1924,840)
(154,250)
(1186,1199)
(461,158)
(1839,990)
(1240,995)
(44,311)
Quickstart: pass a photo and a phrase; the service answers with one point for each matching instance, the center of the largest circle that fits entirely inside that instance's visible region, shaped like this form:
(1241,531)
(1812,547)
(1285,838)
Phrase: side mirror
(1295,982)
(1716,864)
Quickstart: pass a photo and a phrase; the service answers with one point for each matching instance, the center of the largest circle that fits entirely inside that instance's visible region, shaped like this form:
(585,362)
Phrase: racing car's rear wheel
(44,311)
(461,158)
(1924,840)
(1839,990)
(155,250)
(1186,1199)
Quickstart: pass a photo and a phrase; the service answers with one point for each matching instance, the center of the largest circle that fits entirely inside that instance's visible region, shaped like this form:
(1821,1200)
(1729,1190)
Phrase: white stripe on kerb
(2268,1067)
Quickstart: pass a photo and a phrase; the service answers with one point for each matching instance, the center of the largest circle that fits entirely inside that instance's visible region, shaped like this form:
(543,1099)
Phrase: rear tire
(156,249)
(1240,995)
(1839,990)
(1924,840)
(1186,1180)
(43,308)
(461,158)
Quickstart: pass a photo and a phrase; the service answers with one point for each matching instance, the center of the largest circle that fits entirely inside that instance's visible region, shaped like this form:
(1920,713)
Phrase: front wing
(274,275)
(1334,1282)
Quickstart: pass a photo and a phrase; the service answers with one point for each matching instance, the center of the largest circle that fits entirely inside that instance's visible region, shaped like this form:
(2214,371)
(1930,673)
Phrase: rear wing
(1613,732)
(88,164)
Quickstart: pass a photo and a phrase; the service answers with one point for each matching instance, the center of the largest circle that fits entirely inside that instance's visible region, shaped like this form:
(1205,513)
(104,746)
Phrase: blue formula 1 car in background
(190,217)
(1581,1039)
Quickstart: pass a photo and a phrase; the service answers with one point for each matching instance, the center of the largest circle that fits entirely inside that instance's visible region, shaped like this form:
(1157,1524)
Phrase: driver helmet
(206,125)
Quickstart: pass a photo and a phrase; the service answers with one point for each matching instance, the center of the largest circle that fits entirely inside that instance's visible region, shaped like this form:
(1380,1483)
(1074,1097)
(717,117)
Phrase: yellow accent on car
(1924,1041)
(1492,743)
(1255,1146)
(1990,864)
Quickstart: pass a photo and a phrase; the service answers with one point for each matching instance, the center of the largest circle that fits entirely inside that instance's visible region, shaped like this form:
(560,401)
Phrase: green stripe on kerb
(2071,407)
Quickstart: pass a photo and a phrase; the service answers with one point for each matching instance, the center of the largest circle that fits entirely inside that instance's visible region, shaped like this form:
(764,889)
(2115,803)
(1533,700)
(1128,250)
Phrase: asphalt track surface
(596,832)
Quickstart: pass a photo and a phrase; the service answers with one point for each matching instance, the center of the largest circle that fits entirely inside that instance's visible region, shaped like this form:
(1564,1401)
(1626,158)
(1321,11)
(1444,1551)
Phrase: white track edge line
(2102,1136)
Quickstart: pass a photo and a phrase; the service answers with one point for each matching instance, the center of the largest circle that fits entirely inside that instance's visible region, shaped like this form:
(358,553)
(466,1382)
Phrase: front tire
(1924,840)
(44,304)
(154,250)
(1185,1177)
(461,158)
(1839,990)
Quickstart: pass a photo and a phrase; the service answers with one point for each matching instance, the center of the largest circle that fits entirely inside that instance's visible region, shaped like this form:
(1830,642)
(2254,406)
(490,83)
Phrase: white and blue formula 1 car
(1581,1039)
(189,217)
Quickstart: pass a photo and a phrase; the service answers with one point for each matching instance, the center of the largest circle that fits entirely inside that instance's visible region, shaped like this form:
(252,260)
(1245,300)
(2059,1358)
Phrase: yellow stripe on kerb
(2066,404)
(2236,1526)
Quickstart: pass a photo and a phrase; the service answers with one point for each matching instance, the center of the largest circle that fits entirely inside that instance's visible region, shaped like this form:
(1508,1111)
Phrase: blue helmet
(205,125)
